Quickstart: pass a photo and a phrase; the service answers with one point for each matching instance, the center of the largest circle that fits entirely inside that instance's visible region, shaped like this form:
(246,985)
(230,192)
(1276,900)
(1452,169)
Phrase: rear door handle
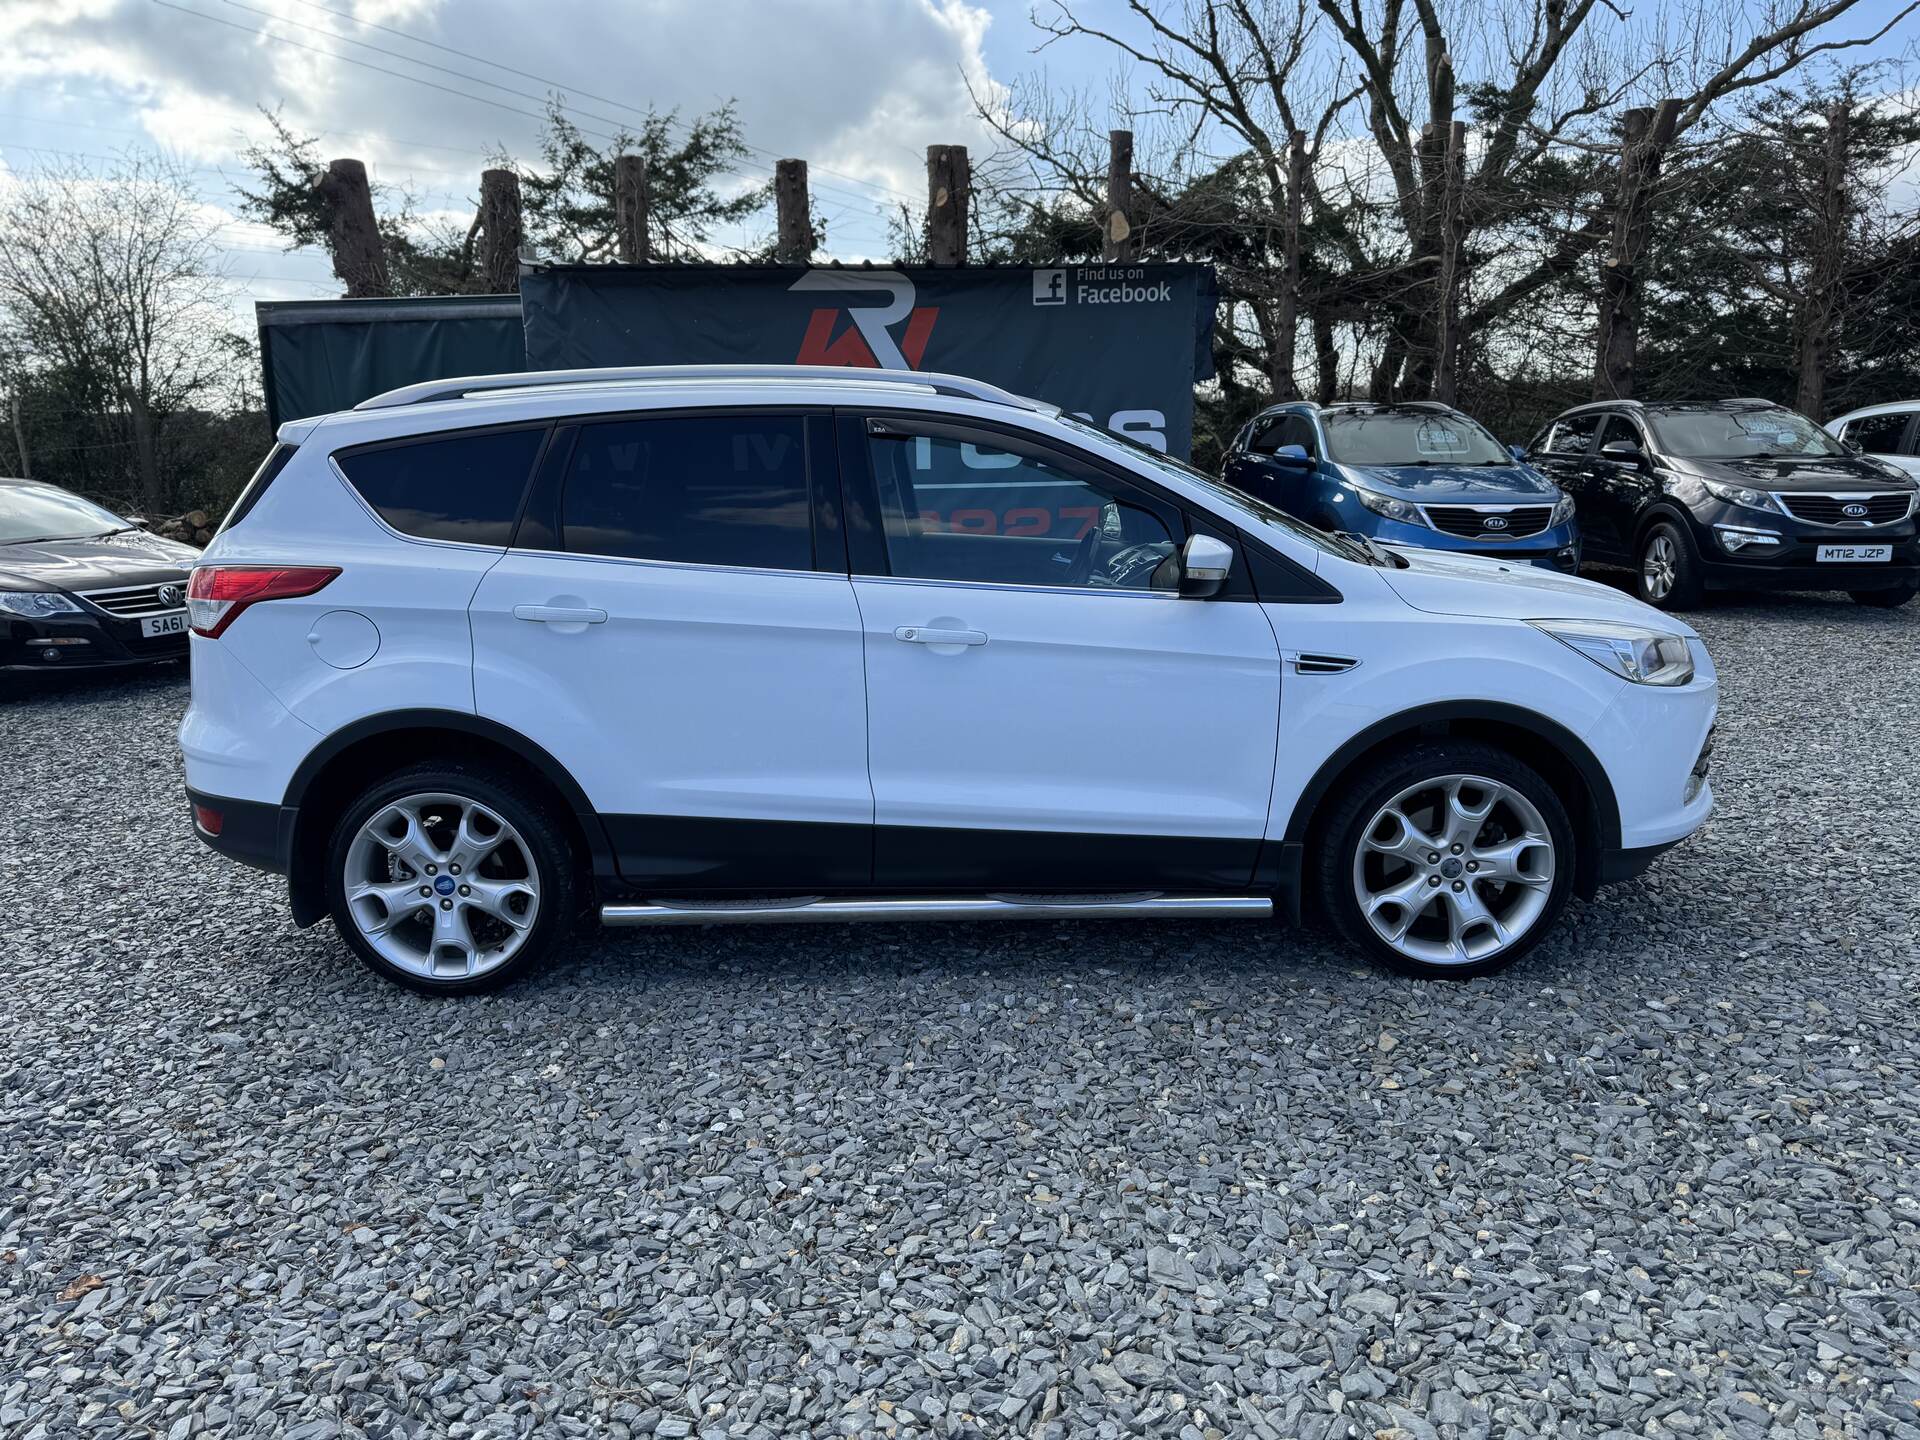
(921,635)
(561,614)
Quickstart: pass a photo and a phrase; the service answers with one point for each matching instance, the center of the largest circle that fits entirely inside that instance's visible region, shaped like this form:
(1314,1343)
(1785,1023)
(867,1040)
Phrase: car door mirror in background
(1623,451)
(1295,456)
(1205,563)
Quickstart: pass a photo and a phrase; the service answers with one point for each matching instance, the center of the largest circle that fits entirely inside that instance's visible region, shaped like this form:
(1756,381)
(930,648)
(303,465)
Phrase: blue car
(1412,473)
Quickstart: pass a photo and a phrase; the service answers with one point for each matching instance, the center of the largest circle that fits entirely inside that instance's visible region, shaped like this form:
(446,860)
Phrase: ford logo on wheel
(1494,522)
(1854,511)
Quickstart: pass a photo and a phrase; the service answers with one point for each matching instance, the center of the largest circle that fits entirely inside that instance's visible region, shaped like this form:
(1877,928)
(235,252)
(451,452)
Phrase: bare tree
(115,279)
(1425,236)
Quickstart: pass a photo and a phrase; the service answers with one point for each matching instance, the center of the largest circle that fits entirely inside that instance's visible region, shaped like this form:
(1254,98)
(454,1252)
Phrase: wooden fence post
(353,235)
(1117,244)
(794,238)
(500,231)
(949,181)
(1647,133)
(630,209)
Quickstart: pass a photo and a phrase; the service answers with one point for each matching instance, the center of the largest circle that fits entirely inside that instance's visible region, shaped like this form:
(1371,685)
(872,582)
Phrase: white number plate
(1854,552)
(174,623)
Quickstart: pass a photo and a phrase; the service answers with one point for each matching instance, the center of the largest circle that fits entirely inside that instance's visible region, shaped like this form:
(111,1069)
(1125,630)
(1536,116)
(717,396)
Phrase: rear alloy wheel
(1889,599)
(448,880)
(1454,863)
(1667,575)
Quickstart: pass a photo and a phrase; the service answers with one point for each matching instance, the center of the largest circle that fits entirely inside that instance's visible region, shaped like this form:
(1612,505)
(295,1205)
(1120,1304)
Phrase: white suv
(757,643)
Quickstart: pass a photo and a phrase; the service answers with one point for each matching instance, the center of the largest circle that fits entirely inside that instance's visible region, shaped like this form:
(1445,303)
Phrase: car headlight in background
(1401,510)
(1562,510)
(1646,657)
(1742,495)
(36,605)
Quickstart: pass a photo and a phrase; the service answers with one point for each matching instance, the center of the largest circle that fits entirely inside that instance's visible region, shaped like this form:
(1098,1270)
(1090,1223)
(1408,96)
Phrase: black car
(1732,494)
(81,587)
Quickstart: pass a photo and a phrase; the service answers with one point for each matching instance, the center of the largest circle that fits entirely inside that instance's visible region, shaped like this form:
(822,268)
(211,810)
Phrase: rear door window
(465,487)
(1881,434)
(692,489)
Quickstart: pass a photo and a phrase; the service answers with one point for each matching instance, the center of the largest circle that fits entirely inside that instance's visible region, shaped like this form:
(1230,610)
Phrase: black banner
(1119,345)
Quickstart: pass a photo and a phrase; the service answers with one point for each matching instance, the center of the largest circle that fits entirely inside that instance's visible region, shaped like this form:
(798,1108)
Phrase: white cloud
(858,88)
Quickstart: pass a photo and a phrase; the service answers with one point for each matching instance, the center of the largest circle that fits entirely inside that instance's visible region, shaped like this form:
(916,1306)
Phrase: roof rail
(461,387)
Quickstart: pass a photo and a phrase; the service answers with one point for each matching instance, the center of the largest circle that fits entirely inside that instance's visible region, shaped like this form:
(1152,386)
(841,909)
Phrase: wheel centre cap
(1451,868)
(445,884)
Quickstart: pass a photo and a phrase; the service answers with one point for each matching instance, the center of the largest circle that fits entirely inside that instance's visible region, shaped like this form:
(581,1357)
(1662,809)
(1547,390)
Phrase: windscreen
(1409,437)
(40,512)
(1757,434)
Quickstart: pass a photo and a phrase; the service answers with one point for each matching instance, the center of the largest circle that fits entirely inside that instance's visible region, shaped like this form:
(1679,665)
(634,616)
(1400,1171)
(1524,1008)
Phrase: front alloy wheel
(1453,870)
(1454,860)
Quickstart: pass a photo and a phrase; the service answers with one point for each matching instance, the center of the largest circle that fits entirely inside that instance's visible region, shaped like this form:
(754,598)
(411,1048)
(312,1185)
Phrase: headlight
(1562,510)
(36,605)
(1386,505)
(1646,657)
(1741,495)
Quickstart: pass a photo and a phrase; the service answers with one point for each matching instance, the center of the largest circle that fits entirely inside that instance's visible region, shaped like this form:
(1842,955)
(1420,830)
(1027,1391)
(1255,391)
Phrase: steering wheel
(1082,565)
(1123,567)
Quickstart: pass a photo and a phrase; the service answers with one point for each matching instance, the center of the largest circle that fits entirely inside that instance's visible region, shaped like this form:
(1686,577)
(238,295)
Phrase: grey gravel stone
(1105,1180)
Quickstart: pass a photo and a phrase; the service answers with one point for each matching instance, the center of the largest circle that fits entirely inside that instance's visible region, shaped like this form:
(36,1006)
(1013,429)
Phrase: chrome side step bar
(986,907)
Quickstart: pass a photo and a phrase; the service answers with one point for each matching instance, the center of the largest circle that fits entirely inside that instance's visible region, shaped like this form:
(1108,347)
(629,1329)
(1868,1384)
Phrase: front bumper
(1791,563)
(1557,548)
(86,641)
(1655,743)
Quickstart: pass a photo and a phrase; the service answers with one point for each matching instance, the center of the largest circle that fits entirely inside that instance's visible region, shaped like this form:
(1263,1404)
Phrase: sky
(858,88)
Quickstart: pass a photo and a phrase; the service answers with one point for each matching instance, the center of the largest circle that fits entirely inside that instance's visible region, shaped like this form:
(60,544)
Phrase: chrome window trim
(1018,589)
(697,565)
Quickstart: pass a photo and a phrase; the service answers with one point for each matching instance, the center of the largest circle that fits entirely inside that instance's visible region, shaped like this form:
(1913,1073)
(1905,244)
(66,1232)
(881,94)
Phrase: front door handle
(561,614)
(922,635)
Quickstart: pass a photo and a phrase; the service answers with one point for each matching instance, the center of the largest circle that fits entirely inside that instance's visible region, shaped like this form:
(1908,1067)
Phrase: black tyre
(451,879)
(1449,859)
(1891,599)
(1666,573)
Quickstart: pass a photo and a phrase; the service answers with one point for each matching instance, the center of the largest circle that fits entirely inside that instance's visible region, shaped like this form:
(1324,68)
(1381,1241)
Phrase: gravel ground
(1167,1179)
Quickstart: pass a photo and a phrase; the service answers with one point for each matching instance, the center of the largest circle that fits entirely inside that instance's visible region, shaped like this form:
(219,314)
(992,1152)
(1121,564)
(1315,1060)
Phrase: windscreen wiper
(1368,546)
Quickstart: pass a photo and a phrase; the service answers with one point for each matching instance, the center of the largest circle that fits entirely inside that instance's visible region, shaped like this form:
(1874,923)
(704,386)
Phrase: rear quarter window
(465,488)
(250,494)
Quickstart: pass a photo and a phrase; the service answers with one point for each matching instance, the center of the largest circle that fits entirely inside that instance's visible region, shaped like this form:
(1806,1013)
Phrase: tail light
(216,594)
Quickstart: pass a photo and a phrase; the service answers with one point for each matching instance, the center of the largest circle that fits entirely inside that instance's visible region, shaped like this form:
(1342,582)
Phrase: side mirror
(1854,447)
(1205,564)
(1293,456)
(139,520)
(1519,452)
(1623,451)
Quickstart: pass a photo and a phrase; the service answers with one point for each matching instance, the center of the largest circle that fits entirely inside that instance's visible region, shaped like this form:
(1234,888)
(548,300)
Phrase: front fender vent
(1305,664)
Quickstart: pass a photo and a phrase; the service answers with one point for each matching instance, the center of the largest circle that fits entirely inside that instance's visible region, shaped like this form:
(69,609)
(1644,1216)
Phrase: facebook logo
(1049,287)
